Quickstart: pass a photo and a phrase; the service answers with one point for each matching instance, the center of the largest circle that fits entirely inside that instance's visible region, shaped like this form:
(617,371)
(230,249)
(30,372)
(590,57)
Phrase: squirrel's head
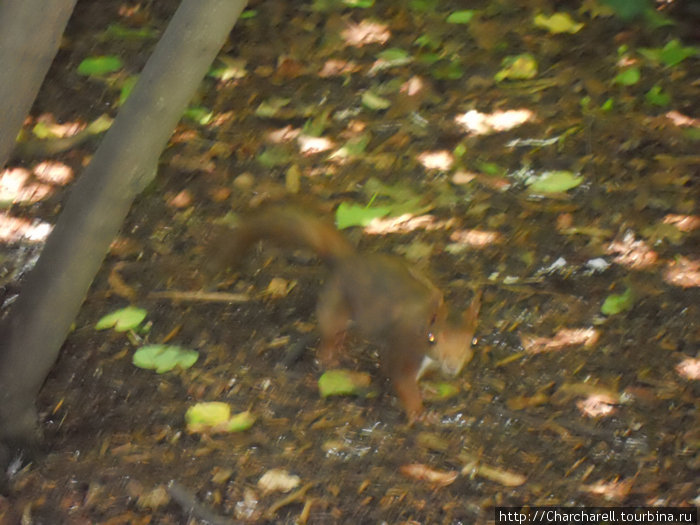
(451,339)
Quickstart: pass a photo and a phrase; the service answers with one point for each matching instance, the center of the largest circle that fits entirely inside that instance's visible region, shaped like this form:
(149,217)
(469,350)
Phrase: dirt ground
(561,404)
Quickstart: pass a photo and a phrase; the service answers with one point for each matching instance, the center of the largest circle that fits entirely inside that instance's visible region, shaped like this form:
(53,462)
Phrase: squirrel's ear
(471,314)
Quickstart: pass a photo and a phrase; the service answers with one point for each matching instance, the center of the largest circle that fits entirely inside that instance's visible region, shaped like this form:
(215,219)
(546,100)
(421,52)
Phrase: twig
(211,297)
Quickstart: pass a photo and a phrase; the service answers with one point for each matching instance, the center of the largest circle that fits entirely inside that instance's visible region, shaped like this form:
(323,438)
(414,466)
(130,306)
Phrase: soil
(561,405)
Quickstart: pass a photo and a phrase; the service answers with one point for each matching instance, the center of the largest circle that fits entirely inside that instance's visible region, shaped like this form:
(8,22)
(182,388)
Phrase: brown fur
(389,303)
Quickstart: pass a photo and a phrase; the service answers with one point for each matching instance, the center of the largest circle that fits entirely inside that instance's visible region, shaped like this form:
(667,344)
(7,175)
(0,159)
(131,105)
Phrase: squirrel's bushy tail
(287,227)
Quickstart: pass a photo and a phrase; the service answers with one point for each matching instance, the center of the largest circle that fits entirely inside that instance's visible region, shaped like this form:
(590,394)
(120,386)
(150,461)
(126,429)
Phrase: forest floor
(555,172)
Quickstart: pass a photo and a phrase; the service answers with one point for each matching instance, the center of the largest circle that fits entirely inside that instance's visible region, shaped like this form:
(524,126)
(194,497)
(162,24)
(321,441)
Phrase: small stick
(209,297)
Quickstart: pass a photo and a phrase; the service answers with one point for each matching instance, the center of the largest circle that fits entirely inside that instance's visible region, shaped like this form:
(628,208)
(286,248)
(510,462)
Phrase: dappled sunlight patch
(478,123)
(563,338)
(288,68)
(689,368)
(53,172)
(405,223)
(335,67)
(413,86)
(476,238)
(13,229)
(283,135)
(611,491)
(47,127)
(685,223)
(597,405)
(684,272)
(181,200)
(631,253)
(183,135)
(221,119)
(490,181)
(310,145)
(364,33)
(681,120)
(17,186)
(421,472)
(436,160)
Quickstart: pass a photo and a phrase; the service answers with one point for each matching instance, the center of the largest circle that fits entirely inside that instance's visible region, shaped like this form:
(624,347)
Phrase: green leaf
(228,68)
(616,303)
(553,182)
(629,9)
(269,108)
(607,105)
(100,124)
(628,77)
(657,97)
(122,320)
(121,32)
(692,134)
(374,102)
(274,156)
(399,192)
(240,422)
(558,23)
(100,65)
(208,414)
(354,147)
(428,58)
(126,89)
(427,41)
(215,416)
(41,130)
(248,13)
(461,17)
(448,71)
(163,358)
(199,114)
(672,54)
(359,3)
(315,126)
(438,391)
(517,67)
(423,6)
(348,215)
(491,168)
(395,56)
(343,382)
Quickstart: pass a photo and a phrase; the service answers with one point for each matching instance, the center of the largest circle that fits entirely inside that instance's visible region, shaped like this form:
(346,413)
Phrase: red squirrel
(389,303)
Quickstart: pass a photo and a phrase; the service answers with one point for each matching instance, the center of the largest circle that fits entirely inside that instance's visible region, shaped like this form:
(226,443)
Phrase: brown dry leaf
(155,499)
(421,472)
(568,391)
(278,480)
(366,32)
(689,368)
(336,67)
(118,286)
(503,477)
(279,288)
(563,338)
(613,491)
(683,272)
(685,223)
(632,253)
(597,405)
(521,402)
